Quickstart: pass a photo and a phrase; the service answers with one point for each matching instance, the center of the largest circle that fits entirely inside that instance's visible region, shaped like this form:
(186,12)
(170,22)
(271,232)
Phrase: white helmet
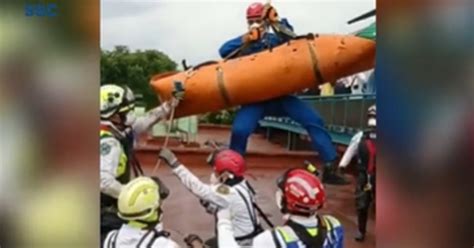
(115,99)
(139,199)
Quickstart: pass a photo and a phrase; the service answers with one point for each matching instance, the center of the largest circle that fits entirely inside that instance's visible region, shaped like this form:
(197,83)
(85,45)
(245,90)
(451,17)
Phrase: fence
(344,115)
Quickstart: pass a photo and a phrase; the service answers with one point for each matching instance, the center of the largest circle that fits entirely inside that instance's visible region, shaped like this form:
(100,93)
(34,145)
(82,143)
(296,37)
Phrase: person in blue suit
(246,120)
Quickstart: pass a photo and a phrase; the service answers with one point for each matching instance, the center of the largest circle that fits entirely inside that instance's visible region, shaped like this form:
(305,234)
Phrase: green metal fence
(345,113)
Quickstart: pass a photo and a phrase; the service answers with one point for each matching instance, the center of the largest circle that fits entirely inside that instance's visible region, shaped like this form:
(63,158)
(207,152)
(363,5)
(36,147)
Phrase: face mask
(213,180)
(278,197)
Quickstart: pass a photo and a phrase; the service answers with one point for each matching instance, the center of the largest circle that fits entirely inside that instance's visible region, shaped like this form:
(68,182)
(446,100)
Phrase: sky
(194,30)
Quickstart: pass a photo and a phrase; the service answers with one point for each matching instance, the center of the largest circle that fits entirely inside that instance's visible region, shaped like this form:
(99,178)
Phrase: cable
(158,162)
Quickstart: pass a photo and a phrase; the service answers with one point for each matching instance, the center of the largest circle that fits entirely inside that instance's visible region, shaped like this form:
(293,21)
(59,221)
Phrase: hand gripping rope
(178,93)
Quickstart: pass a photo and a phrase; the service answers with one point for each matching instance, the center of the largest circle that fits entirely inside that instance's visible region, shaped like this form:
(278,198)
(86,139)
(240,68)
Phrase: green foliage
(134,69)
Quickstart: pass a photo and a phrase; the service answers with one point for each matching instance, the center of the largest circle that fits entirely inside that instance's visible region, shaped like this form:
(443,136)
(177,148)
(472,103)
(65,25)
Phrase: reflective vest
(127,161)
(296,235)
(123,170)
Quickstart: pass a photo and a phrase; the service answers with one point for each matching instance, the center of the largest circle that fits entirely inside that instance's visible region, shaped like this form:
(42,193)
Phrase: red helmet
(255,10)
(302,191)
(229,160)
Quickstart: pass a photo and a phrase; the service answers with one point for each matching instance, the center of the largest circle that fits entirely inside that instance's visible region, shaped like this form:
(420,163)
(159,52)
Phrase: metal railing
(345,113)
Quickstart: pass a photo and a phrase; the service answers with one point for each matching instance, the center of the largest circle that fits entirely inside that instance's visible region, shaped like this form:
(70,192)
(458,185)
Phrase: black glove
(193,241)
(168,156)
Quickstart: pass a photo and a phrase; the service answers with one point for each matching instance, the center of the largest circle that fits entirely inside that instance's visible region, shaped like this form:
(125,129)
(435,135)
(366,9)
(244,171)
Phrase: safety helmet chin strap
(149,223)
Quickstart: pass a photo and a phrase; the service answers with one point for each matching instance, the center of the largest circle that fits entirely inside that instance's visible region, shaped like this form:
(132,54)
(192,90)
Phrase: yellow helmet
(115,99)
(139,199)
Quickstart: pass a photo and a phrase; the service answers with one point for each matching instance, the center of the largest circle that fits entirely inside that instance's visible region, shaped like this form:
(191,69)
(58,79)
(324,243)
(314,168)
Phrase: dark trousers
(363,201)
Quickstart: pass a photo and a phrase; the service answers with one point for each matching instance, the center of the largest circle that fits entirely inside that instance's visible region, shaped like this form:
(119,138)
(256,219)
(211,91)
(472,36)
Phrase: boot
(362,216)
(331,177)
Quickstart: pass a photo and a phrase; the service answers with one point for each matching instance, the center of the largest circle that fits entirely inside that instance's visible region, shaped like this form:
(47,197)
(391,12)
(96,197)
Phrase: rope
(168,131)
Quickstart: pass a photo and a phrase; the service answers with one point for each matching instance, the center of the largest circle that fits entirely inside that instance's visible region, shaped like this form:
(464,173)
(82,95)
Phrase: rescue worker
(363,145)
(139,205)
(300,195)
(258,38)
(118,125)
(228,189)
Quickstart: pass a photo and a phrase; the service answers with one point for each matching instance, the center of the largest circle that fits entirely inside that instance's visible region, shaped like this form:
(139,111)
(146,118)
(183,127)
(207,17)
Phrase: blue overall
(247,117)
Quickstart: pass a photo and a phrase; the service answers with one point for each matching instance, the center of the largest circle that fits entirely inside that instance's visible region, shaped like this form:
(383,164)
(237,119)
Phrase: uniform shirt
(113,159)
(238,198)
(130,237)
(334,237)
(351,150)
(355,148)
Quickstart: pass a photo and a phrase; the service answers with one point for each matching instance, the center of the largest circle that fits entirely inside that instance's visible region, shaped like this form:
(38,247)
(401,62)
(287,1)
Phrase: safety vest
(123,172)
(127,161)
(295,235)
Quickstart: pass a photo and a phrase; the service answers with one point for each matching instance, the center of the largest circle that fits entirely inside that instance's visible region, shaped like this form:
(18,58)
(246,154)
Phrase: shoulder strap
(156,236)
(114,241)
(249,205)
(275,239)
(257,207)
(111,239)
(153,235)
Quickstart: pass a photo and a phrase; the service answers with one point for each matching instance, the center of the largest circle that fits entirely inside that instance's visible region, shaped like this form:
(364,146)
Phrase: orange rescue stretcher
(301,63)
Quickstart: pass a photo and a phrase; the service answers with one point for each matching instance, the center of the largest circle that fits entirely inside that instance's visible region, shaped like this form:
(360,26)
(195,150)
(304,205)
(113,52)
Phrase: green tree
(134,69)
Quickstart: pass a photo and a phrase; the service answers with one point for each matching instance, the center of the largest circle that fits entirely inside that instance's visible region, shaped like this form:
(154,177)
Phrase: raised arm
(351,150)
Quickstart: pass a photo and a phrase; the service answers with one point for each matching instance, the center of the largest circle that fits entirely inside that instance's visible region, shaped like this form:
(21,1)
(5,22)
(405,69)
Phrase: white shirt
(351,150)
(243,212)
(334,239)
(111,150)
(130,237)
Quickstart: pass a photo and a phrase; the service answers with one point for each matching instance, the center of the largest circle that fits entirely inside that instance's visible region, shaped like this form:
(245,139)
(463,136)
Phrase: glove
(174,102)
(254,34)
(168,156)
(270,14)
(211,208)
(178,94)
(193,241)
